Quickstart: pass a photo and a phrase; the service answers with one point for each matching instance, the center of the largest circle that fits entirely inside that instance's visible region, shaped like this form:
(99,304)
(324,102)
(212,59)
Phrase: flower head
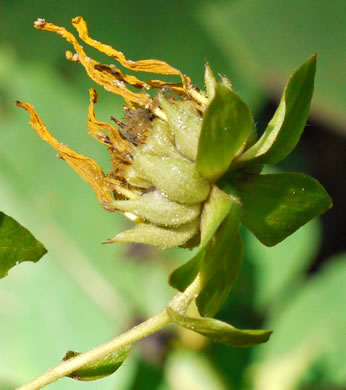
(153,180)
(184,159)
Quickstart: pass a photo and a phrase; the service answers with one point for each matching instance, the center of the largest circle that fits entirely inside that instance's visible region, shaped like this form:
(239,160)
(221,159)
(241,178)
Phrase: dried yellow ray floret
(110,77)
(85,167)
(151,66)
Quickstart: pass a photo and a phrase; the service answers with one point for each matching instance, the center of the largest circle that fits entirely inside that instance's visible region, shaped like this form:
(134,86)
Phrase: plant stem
(180,303)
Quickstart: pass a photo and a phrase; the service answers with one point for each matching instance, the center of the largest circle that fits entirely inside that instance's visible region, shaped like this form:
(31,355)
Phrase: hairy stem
(179,303)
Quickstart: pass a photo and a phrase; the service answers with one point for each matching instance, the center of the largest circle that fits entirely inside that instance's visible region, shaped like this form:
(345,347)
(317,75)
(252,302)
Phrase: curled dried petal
(102,75)
(85,167)
(150,66)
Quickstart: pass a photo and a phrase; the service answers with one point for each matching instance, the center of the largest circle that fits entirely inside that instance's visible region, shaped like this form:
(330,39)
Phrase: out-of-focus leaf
(7,386)
(226,125)
(188,370)
(215,209)
(309,332)
(285,128)
(275,206)
(17,244)
(221,264)
(220,331)
(99,369)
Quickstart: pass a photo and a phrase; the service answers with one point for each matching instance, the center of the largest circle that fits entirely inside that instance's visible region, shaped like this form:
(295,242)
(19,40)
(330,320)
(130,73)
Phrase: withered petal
(85,167)
(95,127)
(94,69)
(150,66)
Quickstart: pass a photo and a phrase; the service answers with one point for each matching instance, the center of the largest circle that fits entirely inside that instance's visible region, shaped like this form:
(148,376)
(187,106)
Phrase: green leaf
(276,205)
(285,128)
(99,369)
(221,265)
(220,331)
(17,244)
(215,209)
(226,126)
(184,275)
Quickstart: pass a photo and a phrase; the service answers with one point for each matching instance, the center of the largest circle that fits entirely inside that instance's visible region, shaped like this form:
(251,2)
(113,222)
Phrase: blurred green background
(83,293)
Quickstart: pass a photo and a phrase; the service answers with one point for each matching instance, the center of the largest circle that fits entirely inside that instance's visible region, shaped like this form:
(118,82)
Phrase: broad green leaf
(226,125)
(215,209)
(221,264)
(184,275)
(17,244)
(220,331)
(276,205)
(285,128)
(99,369)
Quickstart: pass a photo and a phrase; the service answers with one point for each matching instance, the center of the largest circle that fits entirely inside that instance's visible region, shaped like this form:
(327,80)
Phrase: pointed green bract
(215,209)
(210,82)
(160,141)
(221,264)
(185,122)
(275,206)
(99,369)
(17,244)
(145,233)
(220,331)
(175,178)
(285,128)
(155,208)
(227,123)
